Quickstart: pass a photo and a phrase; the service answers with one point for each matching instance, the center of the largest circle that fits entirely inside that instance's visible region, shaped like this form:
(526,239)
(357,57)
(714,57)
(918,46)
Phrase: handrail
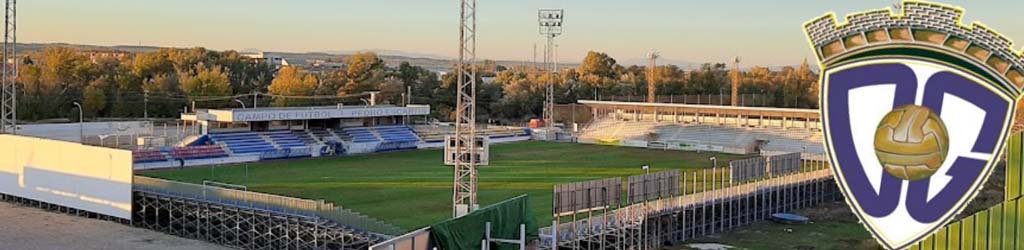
(270,202)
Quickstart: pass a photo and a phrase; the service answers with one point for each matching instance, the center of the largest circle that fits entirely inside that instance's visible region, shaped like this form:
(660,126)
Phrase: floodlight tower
(550,21)
(652,75)
(8,97)
(736,79)
(464,159)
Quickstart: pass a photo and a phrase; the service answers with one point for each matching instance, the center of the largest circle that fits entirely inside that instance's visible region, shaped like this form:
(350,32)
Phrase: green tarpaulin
(467,232)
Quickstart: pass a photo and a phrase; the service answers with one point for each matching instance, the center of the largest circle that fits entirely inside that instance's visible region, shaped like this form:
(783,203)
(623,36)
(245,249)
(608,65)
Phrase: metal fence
(710,203)
(999,226)
(269,202)
(749,100)
(415,240)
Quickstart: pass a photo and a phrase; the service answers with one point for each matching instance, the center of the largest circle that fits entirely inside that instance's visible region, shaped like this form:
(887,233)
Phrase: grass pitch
(412,189)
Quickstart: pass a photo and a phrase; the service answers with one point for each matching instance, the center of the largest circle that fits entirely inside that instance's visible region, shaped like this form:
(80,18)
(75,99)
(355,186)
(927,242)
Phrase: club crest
(916,108)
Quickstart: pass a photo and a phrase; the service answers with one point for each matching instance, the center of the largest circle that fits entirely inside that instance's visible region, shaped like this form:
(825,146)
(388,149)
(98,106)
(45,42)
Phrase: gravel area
(30,228)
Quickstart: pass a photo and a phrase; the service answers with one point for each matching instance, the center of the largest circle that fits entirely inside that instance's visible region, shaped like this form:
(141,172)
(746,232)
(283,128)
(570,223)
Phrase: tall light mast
(550,21)
(8,97)
(737,77)
(652,75)
(465,160)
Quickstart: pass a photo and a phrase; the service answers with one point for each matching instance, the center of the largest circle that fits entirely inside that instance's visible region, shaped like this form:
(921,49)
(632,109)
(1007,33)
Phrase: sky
(760,32)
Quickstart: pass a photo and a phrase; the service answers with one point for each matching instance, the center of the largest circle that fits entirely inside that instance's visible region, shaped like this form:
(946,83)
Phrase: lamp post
(240,102)
(714,161)
(81,120)
(646,168)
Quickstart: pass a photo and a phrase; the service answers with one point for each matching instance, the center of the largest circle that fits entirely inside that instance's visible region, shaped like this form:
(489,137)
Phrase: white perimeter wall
(69,174)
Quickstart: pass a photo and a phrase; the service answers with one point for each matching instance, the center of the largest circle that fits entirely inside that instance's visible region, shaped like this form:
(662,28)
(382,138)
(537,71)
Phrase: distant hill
(432,62)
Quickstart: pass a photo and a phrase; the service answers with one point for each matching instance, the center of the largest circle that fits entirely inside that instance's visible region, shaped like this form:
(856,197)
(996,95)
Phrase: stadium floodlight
(463,145)
(9,75)
(550,21)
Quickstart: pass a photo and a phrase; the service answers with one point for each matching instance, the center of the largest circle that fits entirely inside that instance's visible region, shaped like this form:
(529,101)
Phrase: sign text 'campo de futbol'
(314,114)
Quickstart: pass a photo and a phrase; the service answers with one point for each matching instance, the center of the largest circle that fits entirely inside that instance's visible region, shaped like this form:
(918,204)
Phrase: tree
(206,82)
(331,83)
(95,99)
(423,83)
(163,90)
(52,82)
(291,82)
(360,65)
(365,72)
(598,64)
(246,75)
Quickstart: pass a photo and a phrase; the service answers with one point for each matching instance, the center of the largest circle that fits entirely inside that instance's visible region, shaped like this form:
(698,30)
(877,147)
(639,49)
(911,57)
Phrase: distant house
(271,59)
(293,62)
(324,64)
(95,55)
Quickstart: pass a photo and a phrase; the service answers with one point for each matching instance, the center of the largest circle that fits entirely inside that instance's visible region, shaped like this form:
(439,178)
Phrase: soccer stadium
(373,173)
(338,154)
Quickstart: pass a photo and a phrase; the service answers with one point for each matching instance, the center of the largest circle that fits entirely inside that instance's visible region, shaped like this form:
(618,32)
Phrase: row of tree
(521,91)
(165,82)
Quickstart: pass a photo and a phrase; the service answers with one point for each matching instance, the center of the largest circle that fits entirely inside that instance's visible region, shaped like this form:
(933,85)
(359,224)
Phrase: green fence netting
(467,232)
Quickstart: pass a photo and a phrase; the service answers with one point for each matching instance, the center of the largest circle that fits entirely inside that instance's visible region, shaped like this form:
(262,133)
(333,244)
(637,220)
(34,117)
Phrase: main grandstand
(225,136)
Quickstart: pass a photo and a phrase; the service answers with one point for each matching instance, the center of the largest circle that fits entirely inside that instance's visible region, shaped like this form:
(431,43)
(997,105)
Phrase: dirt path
(30,228)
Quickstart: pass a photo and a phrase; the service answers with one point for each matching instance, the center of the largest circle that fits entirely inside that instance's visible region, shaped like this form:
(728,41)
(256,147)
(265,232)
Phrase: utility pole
(464,198)
(534,64)
(652,77)
(8,87)
(550,21)
(736,78)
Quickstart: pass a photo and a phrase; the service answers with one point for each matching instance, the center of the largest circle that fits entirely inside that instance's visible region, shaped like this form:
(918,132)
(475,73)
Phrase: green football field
(412,189)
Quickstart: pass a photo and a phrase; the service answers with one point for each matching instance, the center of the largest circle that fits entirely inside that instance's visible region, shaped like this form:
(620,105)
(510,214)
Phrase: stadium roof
(809,113)
(304,113)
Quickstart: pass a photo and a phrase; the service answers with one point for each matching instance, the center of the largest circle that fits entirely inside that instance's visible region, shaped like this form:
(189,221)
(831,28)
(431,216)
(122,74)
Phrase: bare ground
(30,228)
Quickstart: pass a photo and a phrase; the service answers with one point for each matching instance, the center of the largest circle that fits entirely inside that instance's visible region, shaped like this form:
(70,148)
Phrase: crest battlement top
(924,24)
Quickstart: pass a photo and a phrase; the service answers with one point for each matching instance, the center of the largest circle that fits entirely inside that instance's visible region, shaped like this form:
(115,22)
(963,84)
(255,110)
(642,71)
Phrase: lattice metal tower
(8,97)
(464,196)
(550,21)
(737,78)
(652,77)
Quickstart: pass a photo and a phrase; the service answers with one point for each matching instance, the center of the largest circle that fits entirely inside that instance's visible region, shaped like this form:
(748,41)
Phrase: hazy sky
(762,32)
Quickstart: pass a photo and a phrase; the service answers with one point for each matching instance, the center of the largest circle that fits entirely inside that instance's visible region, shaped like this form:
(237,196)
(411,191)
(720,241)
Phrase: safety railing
(268,202)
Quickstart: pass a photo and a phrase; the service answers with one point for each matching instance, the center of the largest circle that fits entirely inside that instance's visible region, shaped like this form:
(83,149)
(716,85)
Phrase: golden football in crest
(911,142)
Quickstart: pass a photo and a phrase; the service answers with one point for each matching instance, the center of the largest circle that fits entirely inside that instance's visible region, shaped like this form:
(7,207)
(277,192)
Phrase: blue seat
(243,142)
